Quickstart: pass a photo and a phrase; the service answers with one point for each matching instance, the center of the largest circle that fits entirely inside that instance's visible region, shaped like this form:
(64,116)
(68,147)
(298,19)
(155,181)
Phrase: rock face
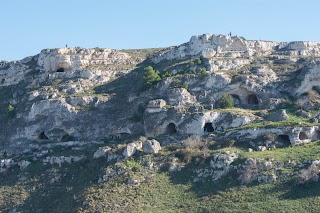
(211,45)
(280,115)
(101,152)
(151,146)
(95,95)
(220,166)
(130,149)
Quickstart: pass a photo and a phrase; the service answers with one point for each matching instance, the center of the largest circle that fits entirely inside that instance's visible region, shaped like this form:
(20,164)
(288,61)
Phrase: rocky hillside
(219,123)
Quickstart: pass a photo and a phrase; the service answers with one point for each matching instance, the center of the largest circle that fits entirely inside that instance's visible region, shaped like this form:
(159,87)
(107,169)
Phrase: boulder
(23,164)
(102,151)
(261,148)
(130,149)
(280,115)
(151,146)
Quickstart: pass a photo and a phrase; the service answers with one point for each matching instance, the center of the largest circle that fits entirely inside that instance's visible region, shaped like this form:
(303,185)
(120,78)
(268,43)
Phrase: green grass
(293,121)
(49,188)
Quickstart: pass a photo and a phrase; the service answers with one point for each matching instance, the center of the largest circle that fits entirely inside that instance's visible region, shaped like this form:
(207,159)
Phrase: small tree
(193,72)
(166,75)
(191,63)
(226,101)
(151,76)
(185,85)
(10,108)
(199,62)
(203,72)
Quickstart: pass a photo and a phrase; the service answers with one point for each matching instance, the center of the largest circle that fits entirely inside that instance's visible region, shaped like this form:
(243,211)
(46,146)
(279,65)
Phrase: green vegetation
(198,61)
(10,108)
(74,188)
(203,72)
(138,115)
(185,85)
(151,76)
(193,72)
(166,75)
(226,101)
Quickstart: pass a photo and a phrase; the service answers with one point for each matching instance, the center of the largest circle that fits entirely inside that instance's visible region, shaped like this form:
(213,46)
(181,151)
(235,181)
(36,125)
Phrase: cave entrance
(208,127)
(252,99)
(284,140)
(316,136)
(171,129)
(236,99)
(43,136)
(60,69)
(66,138)
(303,136)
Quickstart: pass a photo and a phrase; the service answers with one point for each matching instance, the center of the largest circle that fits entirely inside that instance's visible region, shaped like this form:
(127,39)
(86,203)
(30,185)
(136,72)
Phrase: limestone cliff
(92,95)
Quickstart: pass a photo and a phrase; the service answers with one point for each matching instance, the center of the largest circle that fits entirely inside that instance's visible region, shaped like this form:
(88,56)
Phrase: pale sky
(28,26)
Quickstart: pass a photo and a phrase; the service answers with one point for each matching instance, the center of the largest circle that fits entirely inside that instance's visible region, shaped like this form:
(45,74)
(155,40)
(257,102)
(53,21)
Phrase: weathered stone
(129,150)
(280,115)
(101,152)
(261,148)
(151,146)
(24,164)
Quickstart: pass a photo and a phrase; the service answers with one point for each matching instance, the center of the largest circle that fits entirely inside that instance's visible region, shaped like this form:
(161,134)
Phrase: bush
(151,76)
(138,115)
(191,63)
(10,108)
(199,62)
(193,72)
(193,141)
(166,75)
(3,62)
(203,72)
(185,85)
(226,101)
(230,143)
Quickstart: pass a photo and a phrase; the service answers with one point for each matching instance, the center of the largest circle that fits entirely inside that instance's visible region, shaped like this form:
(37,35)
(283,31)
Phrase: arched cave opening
(43,136)
(171,129)
(316,136)
(284,140)
(303,136)
(252,99)
(61,69)
(236,99)
(208,127)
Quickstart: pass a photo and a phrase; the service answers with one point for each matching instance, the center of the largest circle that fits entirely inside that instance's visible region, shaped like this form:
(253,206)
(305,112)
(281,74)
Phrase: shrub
(10,108)
(191,63)
(230,143)
(199,62)
(226,101)
(193,72)
(166,75)
(203,72)
(185,85)
(151,76)
(3,62)
(193,141)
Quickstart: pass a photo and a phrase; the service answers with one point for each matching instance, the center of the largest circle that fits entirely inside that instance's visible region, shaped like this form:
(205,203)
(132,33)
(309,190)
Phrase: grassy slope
(54,189)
